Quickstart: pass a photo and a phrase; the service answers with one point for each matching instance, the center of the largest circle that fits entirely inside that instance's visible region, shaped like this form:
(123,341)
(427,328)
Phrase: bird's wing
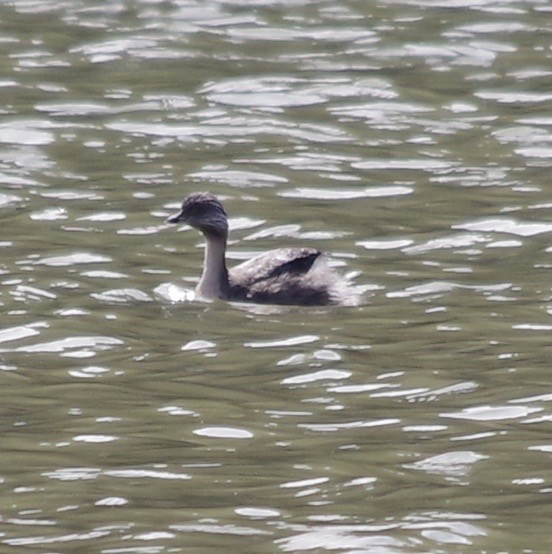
(295,261)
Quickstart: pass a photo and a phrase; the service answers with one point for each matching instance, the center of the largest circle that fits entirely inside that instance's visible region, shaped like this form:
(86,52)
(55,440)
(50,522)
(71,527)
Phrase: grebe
(282,276)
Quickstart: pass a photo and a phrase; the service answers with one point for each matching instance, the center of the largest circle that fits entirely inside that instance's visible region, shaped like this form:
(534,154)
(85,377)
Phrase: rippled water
(412,139)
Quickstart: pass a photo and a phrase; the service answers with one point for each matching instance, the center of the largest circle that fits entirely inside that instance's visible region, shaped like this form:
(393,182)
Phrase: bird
(284,276)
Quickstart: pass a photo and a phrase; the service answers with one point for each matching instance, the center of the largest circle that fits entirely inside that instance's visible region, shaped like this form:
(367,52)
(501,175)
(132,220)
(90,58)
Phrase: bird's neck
(214,279)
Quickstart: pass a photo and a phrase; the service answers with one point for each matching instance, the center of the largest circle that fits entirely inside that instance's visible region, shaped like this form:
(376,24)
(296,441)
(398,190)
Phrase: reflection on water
(409,139)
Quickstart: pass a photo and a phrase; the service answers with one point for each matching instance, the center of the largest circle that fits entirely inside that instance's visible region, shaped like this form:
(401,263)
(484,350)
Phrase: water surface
(412,140)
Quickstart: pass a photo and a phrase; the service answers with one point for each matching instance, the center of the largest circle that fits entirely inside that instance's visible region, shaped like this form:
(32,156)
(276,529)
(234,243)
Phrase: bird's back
(281,276)
(295,261)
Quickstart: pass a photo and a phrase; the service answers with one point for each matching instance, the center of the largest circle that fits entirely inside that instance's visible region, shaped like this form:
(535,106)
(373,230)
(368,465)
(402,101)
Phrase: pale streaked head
(203,211)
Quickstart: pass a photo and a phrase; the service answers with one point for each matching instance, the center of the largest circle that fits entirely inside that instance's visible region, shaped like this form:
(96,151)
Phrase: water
(412,140)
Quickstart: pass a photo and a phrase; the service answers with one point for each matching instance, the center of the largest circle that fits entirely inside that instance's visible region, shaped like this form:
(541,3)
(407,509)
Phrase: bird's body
(292,276)
(278,276)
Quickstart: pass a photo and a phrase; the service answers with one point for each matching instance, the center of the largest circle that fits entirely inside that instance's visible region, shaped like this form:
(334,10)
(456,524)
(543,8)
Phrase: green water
(409,139)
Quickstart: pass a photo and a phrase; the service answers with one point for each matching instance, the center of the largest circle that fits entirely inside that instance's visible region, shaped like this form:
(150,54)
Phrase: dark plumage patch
(300,263)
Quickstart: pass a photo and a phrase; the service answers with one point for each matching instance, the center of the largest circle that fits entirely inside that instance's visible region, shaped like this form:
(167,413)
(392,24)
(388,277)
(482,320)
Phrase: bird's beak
(175,218)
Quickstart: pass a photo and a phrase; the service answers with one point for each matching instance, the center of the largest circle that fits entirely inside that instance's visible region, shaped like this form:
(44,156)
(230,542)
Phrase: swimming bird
(292,276)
